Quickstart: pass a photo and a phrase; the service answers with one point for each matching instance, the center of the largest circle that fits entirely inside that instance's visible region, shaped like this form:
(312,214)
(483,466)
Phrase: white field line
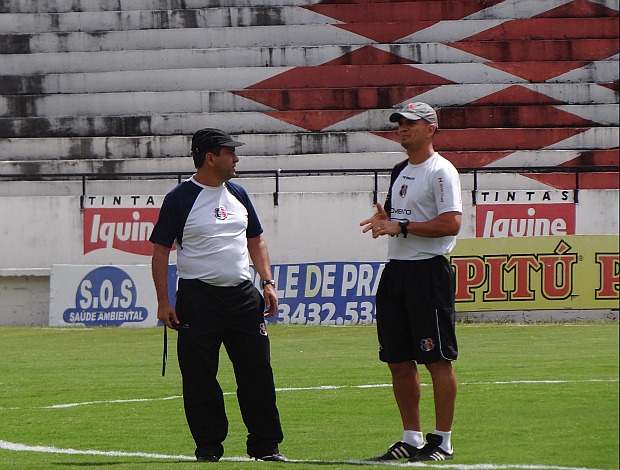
(5,445)
(321,387)
(57,450)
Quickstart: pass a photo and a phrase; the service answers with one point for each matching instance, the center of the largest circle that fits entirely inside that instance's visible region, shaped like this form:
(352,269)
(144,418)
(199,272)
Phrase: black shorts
(415,311)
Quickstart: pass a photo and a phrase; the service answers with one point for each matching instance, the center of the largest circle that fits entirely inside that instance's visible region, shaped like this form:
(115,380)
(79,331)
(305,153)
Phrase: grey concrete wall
(25,299)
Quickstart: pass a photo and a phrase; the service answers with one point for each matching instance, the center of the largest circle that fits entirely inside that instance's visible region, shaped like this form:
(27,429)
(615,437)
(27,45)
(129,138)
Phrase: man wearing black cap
(215,228)
(415,297)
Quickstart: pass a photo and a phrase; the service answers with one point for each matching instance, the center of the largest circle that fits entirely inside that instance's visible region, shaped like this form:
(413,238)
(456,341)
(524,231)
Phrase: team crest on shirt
(427,344)
(403,190)
(221,213)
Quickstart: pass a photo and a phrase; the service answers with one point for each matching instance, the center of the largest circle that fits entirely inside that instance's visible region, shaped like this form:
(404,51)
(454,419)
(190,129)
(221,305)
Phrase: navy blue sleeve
(254,227)
(395,172)
(173,214)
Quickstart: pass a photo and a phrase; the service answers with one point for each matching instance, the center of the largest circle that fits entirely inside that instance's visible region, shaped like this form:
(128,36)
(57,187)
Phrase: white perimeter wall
(38,232)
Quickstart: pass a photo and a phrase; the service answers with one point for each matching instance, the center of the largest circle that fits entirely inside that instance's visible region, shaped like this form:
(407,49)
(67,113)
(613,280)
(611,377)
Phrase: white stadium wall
(302,228)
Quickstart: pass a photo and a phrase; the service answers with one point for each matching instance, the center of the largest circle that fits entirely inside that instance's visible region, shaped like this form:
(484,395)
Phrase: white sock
(446,445)
(414,438)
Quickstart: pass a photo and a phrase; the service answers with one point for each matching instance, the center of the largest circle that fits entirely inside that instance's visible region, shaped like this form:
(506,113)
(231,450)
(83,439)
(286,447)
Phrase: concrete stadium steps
(73,16)
(456,117)
(273,15)
(64,6)
(175,145)
(291,99)
(257,56)
(343,14)
(178,59)
(380,160)
(310,35)
(467,140)
(199,38)
(298,81)
(259,80)
(181,18)
(183,163)
(433,22)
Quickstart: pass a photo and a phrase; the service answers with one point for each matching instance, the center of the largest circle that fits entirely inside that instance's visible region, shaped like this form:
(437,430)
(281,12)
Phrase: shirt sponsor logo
(221,213)
(401,211)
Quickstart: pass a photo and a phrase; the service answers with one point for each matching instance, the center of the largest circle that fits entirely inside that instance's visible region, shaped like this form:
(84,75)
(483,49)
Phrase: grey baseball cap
(414,111)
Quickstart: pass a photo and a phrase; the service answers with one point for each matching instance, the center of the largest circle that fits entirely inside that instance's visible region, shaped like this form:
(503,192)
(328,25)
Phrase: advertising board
(509,273)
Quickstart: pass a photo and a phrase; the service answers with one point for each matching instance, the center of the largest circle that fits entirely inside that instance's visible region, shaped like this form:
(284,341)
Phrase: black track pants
(211,316)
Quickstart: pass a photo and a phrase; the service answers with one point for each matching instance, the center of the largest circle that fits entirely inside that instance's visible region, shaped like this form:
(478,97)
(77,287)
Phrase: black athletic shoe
(272,458)
(398,450)
(207,458)
(432,451)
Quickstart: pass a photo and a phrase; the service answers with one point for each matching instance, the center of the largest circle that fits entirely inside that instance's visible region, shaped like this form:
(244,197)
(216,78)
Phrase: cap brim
(412,117)
(232,143)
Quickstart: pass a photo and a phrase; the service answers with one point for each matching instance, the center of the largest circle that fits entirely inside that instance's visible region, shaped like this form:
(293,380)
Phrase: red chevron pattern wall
(530,87)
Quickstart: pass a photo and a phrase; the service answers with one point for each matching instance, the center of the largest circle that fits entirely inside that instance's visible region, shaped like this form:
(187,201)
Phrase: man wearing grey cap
(216,230)
(415,298)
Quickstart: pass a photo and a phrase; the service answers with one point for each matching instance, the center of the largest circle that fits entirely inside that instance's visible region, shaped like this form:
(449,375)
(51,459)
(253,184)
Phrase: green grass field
(535,396)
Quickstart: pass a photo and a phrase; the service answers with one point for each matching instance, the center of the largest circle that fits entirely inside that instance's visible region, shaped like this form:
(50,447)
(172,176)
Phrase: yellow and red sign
(537,273)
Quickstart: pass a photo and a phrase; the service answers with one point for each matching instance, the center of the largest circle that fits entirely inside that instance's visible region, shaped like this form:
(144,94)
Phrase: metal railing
(279,173)
(576,170)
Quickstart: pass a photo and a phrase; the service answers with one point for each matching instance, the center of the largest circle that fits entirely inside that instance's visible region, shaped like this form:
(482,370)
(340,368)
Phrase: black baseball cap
(209,138)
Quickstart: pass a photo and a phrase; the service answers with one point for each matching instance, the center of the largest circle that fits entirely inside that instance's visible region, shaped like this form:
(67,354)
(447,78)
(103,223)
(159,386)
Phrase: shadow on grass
(238,461)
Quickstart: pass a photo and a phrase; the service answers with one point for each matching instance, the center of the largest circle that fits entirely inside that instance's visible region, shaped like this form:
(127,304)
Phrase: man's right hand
(167,315)
(377,223)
